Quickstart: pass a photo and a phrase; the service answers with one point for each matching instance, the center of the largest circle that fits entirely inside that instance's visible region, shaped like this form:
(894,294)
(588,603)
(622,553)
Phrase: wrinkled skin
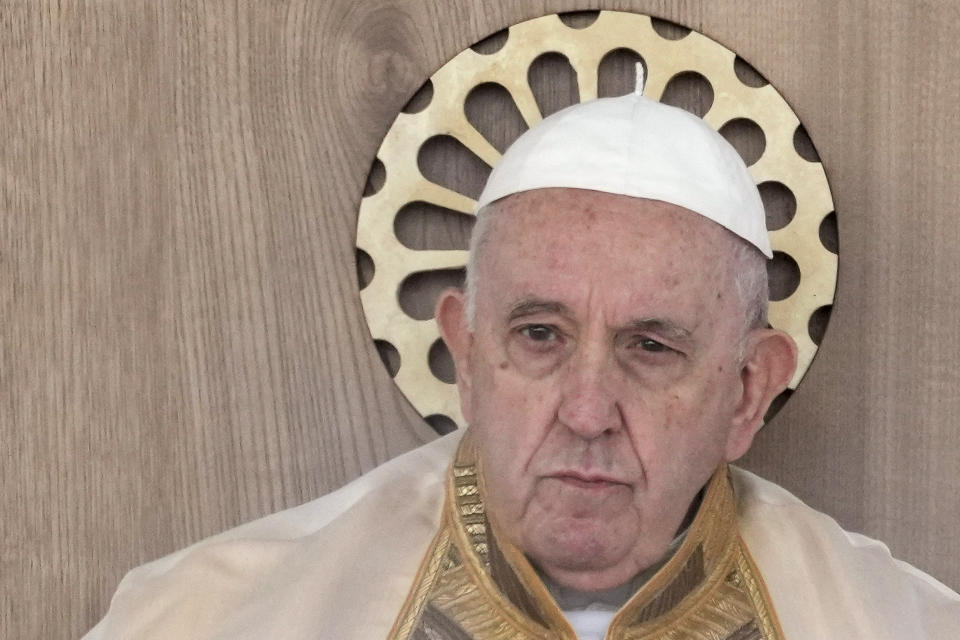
(609,372)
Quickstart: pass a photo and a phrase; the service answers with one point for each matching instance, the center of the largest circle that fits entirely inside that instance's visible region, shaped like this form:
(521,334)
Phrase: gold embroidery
(766,616)
(471,509)
(709,590)
(427,574)
(464,470)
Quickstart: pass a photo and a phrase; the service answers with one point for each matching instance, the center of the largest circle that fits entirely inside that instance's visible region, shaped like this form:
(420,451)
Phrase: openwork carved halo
(797,243)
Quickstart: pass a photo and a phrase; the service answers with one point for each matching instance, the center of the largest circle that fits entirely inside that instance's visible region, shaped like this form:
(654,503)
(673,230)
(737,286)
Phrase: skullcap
(635,146)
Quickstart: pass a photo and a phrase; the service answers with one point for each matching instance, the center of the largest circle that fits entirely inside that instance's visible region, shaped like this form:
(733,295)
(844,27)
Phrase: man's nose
(589,406)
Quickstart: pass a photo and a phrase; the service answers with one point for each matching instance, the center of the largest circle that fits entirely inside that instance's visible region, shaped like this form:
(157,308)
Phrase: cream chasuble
(386,557)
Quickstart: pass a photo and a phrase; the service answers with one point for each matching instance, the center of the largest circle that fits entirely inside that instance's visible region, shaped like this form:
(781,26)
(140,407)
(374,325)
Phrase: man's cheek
(526,364)
(513,410)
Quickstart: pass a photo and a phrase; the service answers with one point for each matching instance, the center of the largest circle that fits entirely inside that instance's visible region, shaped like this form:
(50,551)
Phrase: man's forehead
(583,209)
(562,250)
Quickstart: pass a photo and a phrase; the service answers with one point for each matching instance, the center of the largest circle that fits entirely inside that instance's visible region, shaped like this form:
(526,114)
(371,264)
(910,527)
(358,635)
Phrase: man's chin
(576,546)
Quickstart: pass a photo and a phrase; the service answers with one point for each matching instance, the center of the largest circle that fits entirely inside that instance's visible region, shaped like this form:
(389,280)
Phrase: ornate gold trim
(423,583)
(757,588)
(478,566)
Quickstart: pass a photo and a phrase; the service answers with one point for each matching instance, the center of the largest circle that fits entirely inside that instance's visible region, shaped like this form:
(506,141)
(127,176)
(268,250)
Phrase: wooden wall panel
(181,341)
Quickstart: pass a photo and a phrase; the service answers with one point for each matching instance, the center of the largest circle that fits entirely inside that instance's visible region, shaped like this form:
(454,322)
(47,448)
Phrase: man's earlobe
(770,360)
(451,316)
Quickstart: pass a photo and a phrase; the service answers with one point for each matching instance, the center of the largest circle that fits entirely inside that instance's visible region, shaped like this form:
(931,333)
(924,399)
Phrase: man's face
(602,378)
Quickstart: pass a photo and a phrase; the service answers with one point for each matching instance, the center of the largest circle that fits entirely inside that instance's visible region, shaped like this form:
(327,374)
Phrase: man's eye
(538,333)
(649,344)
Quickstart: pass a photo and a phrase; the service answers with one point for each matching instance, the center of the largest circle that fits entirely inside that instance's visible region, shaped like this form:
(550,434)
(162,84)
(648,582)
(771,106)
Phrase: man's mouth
(587,480)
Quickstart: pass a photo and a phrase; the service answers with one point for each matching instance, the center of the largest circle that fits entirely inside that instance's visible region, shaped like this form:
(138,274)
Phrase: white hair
(748,263)
(478,239)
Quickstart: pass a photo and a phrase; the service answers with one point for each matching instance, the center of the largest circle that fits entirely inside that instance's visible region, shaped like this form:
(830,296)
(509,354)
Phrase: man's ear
(451,315)
(770,358)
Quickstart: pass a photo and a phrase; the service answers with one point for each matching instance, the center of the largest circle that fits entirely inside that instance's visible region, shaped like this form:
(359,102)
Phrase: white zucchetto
(638,147)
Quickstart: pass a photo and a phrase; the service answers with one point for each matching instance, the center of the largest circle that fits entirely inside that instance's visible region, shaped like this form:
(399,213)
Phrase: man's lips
(587,480)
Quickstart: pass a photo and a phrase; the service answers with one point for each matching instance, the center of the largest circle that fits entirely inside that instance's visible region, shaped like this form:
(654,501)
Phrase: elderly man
(612,356)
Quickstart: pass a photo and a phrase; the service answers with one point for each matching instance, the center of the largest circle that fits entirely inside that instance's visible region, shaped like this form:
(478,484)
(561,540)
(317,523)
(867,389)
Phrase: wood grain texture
(182,344)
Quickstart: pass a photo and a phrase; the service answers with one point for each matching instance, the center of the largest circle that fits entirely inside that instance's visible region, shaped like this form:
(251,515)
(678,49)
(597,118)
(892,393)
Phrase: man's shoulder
(298,567)
(826,581)
(414,473)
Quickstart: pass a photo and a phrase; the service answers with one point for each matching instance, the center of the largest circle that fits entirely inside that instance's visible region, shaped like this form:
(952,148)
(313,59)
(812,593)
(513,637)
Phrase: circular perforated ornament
(436,155)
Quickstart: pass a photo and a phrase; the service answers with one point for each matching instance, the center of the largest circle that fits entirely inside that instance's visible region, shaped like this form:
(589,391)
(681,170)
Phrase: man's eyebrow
(661,326)
(531,306)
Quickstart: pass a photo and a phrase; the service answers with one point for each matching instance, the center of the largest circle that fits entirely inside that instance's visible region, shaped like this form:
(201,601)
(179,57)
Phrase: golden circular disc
(584,48)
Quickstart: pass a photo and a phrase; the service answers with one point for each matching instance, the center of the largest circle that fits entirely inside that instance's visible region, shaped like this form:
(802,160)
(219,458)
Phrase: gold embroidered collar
(472,586)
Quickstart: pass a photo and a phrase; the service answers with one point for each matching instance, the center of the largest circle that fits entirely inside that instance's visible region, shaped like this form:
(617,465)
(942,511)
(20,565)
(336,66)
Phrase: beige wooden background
(181,341)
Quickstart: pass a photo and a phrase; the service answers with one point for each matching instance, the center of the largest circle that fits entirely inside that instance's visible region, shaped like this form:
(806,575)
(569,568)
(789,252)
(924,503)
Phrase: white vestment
(341,567)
